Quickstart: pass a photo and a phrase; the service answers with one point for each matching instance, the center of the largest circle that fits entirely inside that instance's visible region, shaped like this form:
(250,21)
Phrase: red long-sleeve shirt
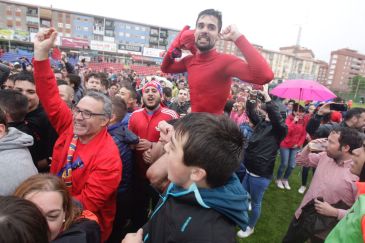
(210,73)
(94,184)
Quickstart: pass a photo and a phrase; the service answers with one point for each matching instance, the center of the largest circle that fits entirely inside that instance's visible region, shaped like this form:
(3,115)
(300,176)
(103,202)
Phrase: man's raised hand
(230,33)
(44,41)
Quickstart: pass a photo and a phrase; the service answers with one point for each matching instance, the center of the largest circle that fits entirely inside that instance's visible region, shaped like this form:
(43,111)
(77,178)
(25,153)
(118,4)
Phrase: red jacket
(95,182)
(296,132)
(144,126)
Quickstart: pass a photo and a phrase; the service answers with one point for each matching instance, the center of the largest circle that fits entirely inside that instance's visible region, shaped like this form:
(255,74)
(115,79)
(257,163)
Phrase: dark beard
(151,108)
(204,48)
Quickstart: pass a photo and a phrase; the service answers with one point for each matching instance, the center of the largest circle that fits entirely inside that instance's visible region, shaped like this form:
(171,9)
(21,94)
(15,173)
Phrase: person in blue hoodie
(204,201)
(123,138)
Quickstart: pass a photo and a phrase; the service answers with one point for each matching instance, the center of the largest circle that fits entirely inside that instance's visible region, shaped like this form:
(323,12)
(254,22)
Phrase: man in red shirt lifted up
(210,72)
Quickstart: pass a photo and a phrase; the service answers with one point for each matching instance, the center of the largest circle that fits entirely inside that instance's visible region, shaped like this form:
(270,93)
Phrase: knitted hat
(154,84)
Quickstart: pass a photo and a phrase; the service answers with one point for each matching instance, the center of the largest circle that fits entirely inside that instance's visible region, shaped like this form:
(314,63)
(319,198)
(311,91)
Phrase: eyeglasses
(85,114)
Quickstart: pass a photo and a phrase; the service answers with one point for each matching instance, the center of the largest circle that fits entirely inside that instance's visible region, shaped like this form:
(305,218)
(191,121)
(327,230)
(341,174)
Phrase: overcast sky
(327,25)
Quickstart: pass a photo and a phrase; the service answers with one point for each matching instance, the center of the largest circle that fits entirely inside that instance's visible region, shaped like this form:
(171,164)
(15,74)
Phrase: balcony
(163,42)
(153,41)
(154,32)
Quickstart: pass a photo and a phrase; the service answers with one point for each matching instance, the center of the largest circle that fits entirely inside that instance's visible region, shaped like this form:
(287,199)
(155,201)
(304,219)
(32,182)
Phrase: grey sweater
(16,163)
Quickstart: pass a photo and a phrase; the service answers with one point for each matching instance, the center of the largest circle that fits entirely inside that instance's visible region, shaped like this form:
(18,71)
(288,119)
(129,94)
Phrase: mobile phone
(338,107)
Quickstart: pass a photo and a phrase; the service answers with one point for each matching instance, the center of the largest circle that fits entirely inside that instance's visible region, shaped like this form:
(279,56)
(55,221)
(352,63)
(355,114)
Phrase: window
(154,32)
(86,28)
(127,35)
(128,27)
(45,23)
(136,28)
(18,10)
(60,25)
(121,33)
(32,11)
(143,37)
(67,26)
(68,35)
(143,29)
(33,30)
(78,27)
(109,33)
(98,37)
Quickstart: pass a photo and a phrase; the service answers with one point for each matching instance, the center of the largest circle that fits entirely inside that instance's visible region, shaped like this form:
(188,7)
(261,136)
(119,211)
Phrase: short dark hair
(21,221)
(213,143)
(12,77)
(212,12)
(95,75)
(3,119)
(298,107)
(75,80)
(119,107)
(348,136)
(130,88)
(61,82)
(14,103)
(167,91)
(357,111)
(24,75)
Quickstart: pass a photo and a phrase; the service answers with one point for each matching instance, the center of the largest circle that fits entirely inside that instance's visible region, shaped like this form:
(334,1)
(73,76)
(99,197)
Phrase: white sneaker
(286,184)
(246,233)
(279,183)
(302,189)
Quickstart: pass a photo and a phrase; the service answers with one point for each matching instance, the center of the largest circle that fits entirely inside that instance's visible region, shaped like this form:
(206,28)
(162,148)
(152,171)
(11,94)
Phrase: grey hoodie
(16,163)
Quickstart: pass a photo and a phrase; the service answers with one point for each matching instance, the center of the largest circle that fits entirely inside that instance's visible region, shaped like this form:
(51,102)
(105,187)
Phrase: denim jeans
(305,171)
(256,187)
(287,162)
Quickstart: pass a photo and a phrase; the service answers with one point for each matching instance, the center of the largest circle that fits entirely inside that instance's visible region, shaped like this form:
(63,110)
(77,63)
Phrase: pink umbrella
(301,89)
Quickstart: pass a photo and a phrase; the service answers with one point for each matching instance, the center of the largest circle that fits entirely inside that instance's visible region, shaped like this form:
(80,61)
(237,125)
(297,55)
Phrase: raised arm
(57,111)
(255,70)
(169,65)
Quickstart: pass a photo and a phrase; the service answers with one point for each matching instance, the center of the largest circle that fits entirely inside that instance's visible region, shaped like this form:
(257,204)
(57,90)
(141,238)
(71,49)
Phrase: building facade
(344,65)
(100,35)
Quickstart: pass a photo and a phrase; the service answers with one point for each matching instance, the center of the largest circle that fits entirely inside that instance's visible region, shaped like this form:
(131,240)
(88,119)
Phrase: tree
(357,85)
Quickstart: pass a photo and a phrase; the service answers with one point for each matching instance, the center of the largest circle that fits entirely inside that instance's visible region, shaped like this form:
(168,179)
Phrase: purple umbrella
(301,89)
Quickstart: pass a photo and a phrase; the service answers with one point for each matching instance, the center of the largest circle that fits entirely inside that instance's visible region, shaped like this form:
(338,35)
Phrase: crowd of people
(109,157)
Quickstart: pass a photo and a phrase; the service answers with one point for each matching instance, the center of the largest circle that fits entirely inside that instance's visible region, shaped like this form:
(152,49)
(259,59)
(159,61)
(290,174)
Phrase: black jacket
(317,130)
(198,215)
(42,131)
(265,141)
(83,231)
